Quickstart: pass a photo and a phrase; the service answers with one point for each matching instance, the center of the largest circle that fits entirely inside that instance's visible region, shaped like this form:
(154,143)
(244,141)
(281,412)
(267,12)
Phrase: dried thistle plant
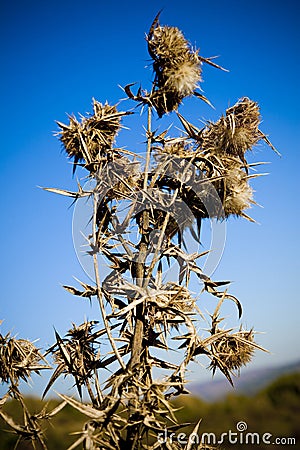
(184,180)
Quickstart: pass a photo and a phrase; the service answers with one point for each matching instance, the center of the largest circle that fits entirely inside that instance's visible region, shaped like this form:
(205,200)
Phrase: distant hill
(274,410)
(248,384)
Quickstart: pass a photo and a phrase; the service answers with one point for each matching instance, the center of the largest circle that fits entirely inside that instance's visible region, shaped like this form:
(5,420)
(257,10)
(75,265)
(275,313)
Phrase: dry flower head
(18,358)
(232,351)
(236,132)
(91,139)
(176,65)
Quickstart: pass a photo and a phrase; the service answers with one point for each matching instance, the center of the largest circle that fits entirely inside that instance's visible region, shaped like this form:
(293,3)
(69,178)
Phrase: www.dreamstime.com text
(240,436)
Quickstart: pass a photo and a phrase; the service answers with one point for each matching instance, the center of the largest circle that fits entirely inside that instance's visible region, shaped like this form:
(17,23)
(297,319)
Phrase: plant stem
(149,140)
(137,343)
(99,293)
(138,334)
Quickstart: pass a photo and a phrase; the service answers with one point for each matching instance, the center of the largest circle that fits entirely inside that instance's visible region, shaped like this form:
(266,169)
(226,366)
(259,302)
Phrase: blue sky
(55,57)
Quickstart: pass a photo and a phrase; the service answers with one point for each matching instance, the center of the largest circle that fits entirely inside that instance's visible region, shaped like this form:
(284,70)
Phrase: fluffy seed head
(238,194)
(224,143)
(167,43)
(176,65)
(183,78)
(236,132)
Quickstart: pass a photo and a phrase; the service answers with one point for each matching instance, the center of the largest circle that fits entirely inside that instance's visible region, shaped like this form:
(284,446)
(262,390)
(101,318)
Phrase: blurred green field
(274,410)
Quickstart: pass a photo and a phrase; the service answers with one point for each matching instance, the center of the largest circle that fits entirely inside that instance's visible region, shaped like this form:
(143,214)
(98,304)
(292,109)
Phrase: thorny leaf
(88,292)
(87,410)
(75,195)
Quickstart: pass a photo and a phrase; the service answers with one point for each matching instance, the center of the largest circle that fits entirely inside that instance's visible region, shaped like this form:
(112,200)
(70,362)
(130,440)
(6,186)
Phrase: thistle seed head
(233,351)
(76,354)
(176,65)
(238,194)
(70,138)
(224,143)
(172,298)
(166,43)
(236,132)
(183,77)
(93,137)
(18,358)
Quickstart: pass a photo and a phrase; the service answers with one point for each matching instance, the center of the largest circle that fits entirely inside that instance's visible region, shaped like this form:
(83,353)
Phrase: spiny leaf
(89,292)
(191,130)
(58,371)
(87,410)
(202,97)
(67,193)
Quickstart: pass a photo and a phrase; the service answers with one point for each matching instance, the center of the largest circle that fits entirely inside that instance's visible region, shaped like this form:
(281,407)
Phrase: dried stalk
(148,154)
(137,344)
(99,293)
(138,334)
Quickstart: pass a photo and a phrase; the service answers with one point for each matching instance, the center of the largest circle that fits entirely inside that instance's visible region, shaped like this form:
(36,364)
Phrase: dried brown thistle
(177,68)
(141,213)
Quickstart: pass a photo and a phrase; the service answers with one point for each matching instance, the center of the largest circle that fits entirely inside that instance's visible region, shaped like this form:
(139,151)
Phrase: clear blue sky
(56,56)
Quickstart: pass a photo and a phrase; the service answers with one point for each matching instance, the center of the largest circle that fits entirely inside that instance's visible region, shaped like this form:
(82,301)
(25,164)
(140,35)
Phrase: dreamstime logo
(241,426)
(184,174)
(239,436)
